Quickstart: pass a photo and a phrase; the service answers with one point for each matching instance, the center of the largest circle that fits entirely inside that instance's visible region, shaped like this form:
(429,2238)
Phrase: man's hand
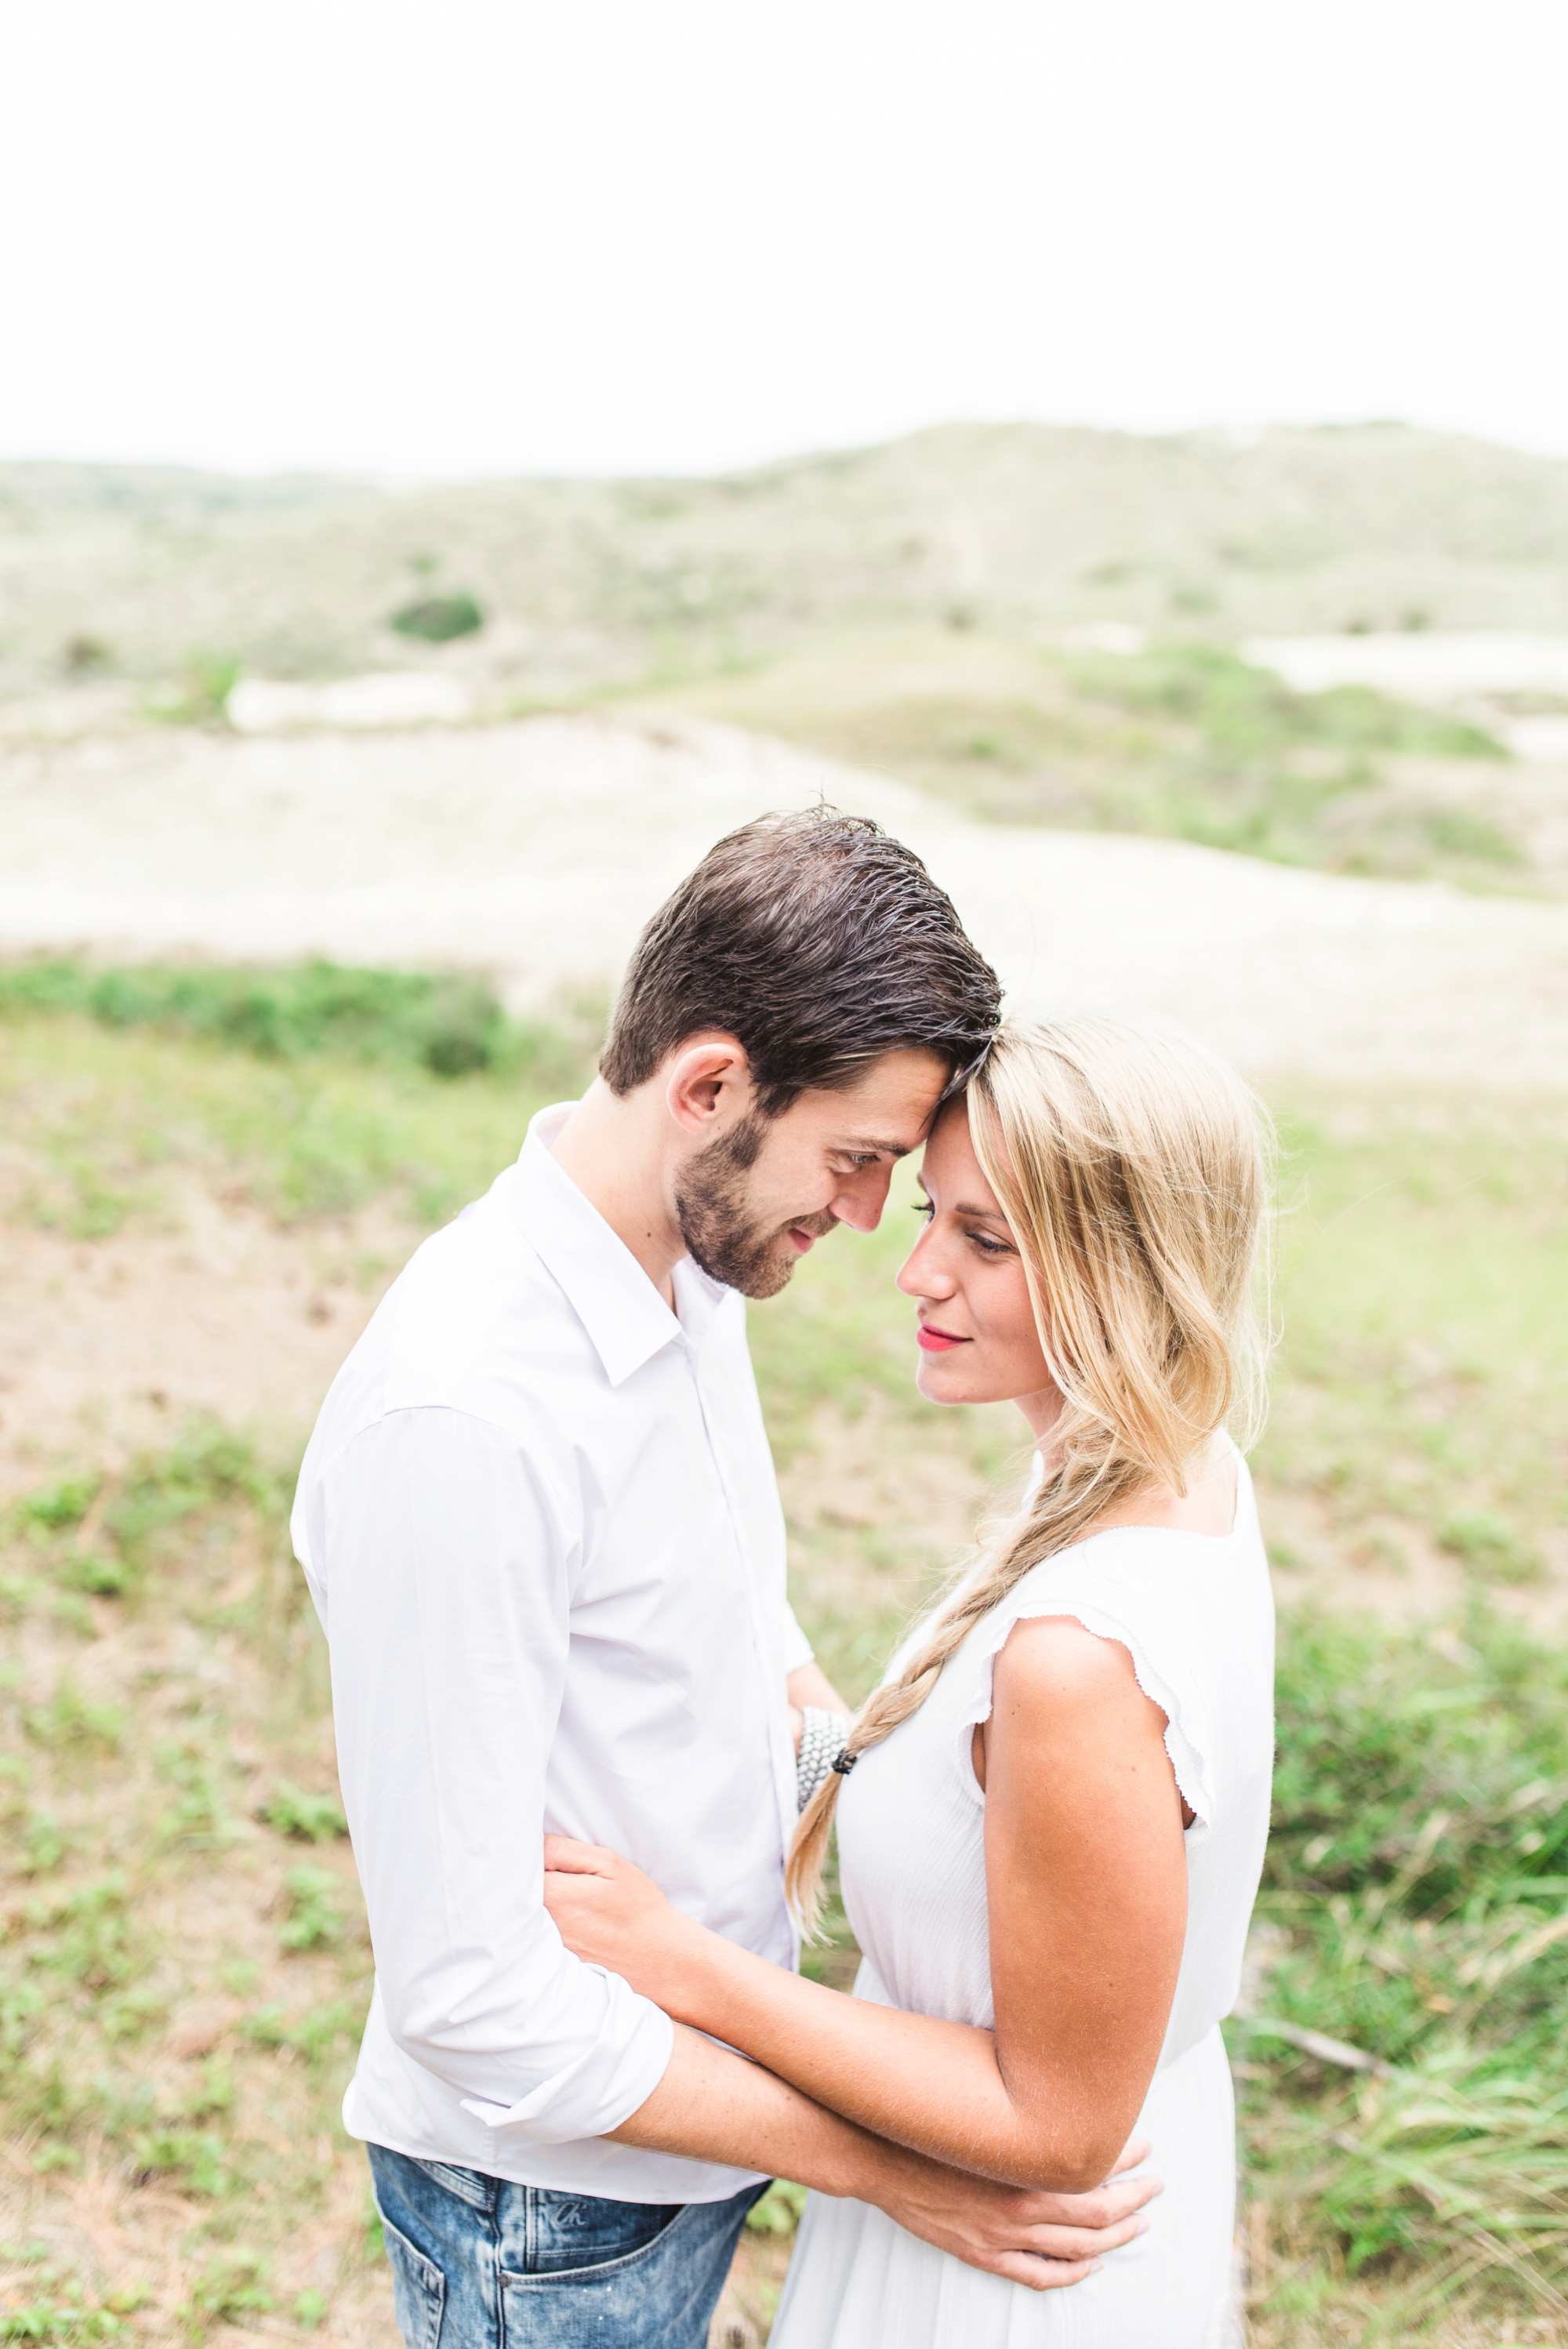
(1033,2238)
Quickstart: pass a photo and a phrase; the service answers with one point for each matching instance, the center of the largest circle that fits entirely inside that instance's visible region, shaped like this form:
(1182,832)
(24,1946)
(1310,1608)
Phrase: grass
(450,1026)
(1414,1886)
(1245,713)
(1185,739)
(1423,1260)
(1013,527)
(183,1967)
(179,1988)
(120,1114)
(1244,762)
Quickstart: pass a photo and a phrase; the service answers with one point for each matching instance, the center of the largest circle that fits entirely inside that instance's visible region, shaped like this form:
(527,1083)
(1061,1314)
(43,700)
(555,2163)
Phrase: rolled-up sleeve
(796,1648)
(447,1565)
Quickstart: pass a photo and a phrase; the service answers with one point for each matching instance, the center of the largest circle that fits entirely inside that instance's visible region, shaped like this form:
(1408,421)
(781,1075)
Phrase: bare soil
(111,1345)
(536,851)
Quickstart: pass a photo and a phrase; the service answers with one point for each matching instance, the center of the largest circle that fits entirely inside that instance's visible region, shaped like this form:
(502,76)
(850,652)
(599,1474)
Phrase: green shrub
(59,1507)
(1239,759)
(1245,713)
(312,1818)
(85,654)
(438,619)
(315,1919)
(1489,1544)
(201,696)
(452,1024)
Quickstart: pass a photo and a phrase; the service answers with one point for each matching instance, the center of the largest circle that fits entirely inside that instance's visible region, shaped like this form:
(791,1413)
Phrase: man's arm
(809,1684)
(447,1557)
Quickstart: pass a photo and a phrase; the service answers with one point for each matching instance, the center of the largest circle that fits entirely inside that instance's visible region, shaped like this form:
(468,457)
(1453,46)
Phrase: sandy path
(536,850)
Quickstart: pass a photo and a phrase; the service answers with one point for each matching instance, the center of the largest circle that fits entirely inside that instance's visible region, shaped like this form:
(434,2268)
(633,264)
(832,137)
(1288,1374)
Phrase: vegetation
(1414,1886)
(1249,714)
(983,528)
(911,606)
(201,697)
(450,1026)
(438,620)
(1184,739)
(184,1966)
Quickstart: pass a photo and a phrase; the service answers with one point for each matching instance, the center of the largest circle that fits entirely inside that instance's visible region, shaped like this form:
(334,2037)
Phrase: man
(538,1521)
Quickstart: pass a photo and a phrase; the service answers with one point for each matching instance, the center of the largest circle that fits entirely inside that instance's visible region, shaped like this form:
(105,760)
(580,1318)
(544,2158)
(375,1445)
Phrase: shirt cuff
(639,2068)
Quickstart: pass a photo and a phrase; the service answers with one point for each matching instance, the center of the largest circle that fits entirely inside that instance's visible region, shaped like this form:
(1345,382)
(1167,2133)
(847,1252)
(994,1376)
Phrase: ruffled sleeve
(1147,1619)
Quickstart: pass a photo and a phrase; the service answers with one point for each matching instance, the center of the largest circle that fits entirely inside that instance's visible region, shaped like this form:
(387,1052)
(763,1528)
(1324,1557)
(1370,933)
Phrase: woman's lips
(936,1341)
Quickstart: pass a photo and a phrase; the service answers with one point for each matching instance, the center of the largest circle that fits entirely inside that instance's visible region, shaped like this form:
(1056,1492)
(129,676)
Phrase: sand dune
(535,850)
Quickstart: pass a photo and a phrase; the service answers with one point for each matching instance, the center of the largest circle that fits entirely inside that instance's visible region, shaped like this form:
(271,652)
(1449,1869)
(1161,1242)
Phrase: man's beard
(720,1234)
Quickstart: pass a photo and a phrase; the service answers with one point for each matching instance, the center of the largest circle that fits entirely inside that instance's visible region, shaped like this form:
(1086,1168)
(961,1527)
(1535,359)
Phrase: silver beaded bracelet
(823,1734)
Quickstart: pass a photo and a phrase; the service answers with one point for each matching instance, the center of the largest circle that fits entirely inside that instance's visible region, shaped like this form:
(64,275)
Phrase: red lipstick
(936,1341)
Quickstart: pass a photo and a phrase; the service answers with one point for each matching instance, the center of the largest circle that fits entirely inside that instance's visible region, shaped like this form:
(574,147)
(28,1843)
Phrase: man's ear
(707,1084)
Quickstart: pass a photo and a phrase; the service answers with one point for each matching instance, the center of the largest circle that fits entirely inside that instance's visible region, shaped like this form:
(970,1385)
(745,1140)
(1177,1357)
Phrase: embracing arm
(1085,1877)
(448,1624)
(713,2103)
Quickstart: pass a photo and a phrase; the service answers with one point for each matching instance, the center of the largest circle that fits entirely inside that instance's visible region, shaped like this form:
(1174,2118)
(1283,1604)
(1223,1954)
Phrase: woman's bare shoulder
(1057,1677)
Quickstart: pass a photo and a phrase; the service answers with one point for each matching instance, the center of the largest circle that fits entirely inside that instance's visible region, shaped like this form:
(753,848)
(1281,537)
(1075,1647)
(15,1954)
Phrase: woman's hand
(609,1913)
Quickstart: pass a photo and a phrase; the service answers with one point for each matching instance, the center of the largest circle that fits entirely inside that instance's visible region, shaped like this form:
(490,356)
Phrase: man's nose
(861,1200)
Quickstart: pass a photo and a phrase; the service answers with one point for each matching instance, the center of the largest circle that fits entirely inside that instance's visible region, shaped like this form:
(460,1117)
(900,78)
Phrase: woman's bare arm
(1085,1877)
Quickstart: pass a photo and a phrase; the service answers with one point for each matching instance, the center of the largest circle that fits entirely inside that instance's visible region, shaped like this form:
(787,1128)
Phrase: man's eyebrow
(886,1149)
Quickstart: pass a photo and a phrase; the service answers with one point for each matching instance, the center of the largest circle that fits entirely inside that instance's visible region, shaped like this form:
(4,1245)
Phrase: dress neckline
(1183,1533)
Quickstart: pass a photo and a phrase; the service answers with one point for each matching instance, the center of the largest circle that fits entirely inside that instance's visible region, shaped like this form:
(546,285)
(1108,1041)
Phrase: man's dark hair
(818,942)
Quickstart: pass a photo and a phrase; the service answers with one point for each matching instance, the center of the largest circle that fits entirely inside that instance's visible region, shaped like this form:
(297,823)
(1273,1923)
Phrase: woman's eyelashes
(925,1209)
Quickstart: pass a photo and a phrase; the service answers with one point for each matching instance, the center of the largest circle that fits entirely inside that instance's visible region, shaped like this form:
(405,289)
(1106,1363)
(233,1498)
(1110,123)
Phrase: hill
(130,571)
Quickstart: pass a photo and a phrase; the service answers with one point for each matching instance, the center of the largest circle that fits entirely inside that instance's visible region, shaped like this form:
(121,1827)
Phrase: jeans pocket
(662,2293)
(474,2187)
(582,2234)
(418,2288)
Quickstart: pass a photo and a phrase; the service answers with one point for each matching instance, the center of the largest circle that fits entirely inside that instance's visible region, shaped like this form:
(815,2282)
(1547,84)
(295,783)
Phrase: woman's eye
(990,1248)
(924,1208)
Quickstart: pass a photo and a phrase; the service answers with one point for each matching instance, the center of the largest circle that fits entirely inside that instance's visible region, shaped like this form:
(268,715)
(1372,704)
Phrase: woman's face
(976,1332)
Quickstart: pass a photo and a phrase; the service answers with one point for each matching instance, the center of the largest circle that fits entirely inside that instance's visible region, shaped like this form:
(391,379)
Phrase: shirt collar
(611,1296)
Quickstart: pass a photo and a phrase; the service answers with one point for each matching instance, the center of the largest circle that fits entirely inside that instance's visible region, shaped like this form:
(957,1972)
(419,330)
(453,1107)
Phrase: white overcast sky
(557,235)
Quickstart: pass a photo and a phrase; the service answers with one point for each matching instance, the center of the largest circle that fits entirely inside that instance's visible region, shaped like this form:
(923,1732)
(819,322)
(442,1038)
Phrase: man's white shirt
(539,1524)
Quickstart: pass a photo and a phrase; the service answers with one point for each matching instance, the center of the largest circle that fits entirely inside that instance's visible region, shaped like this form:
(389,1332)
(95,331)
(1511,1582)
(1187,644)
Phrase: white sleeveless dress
(1196,1614)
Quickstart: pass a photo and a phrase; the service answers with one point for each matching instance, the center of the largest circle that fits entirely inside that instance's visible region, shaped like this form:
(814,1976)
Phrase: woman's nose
(921,1273)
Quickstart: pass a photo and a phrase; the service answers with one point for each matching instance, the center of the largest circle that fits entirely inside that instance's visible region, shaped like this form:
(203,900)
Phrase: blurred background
(451,472)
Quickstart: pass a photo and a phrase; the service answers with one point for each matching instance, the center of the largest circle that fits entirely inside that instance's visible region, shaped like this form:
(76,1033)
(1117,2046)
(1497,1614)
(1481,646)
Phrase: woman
(1052,1814)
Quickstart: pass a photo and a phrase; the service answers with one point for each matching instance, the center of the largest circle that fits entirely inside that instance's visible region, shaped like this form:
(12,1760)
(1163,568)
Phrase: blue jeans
(479,2263)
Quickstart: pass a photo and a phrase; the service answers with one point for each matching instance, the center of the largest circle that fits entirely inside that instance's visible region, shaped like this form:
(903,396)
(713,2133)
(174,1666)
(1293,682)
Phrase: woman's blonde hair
(1134,1169)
